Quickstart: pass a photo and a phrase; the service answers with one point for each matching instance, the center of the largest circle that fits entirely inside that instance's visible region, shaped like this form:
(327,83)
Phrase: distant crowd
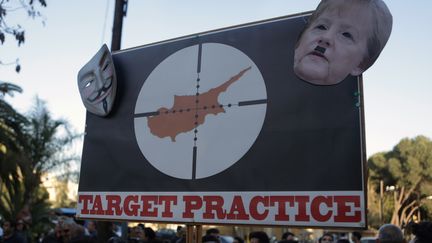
(67,230)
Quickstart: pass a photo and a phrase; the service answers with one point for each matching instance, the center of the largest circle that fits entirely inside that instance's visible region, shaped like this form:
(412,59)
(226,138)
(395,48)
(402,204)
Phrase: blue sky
(397,89)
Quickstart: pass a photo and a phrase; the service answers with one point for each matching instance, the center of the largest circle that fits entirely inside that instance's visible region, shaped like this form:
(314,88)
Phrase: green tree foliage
(406,172)
(11,126)
(8,88)
(32,145)
(17,31)
(43,146)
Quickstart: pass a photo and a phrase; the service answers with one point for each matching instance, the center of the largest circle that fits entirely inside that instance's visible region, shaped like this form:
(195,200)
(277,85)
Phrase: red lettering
(131,210)
(280,202)
(315,208)
(148,203)
(237,210)
(301,202)
(167,201)
(253,207)
(214,203)
(114,202)
(284,207)
(97,206)
(191,203)
(343,209)
(85,199)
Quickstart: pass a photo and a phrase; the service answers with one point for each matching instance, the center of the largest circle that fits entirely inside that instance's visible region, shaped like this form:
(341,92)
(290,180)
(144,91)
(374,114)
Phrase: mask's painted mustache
(320,49)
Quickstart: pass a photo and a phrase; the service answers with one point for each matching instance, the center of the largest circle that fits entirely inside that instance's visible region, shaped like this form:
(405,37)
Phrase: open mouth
(320,49)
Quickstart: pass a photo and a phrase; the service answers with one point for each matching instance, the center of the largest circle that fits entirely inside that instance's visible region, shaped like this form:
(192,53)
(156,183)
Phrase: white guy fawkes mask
(97,83)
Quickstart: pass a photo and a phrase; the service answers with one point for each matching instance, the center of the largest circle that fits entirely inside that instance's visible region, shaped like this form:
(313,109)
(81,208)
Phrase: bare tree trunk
(399,213)
(397,205)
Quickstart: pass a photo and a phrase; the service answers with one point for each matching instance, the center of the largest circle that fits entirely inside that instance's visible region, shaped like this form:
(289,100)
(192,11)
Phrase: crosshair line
(252,102)
(197,92)
(195,109)
(194,162)
(146,114)
(194,151)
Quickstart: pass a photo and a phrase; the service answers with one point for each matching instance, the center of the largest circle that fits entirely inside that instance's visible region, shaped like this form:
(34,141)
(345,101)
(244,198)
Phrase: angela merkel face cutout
(333,46)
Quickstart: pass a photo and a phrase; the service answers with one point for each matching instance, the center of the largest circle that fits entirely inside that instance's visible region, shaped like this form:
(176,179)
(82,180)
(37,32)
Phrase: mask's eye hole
(88,80)
(106,65)
(88,84)
(107,69)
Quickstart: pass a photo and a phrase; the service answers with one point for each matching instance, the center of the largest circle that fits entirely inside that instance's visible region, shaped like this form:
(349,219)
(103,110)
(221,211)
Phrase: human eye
(321,27)
(348,35)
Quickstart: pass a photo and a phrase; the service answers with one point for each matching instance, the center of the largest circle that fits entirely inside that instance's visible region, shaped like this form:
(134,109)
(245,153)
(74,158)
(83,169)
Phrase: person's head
(116,239)
(149,233)
(422,232)
(238,240)
(77,232)
(213,231)
(210,239)
(8,227)
(287,236)
(68,229)
(342,37)
(258,237)
(326,238)
(137,232)
(356,236)
(91,226)
(181,232)
(288,241)
(58,230)
(343,241)
(97,83)
(390,233)
(20,226)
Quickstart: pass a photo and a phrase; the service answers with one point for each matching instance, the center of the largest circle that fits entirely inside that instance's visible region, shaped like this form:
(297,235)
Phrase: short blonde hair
(382,24)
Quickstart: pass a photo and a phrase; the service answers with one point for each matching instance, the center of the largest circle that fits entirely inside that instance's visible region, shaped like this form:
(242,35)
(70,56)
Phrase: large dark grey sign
(221,114)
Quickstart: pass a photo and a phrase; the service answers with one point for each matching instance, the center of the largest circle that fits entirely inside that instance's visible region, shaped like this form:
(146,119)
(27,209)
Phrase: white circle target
(200,111)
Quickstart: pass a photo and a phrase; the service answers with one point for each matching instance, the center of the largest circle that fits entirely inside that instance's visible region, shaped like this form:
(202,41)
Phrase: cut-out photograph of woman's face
(97,83)
(341,39)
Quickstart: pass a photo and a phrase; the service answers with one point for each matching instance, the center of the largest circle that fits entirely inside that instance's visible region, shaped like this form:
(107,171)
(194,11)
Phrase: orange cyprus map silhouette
(189,111)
